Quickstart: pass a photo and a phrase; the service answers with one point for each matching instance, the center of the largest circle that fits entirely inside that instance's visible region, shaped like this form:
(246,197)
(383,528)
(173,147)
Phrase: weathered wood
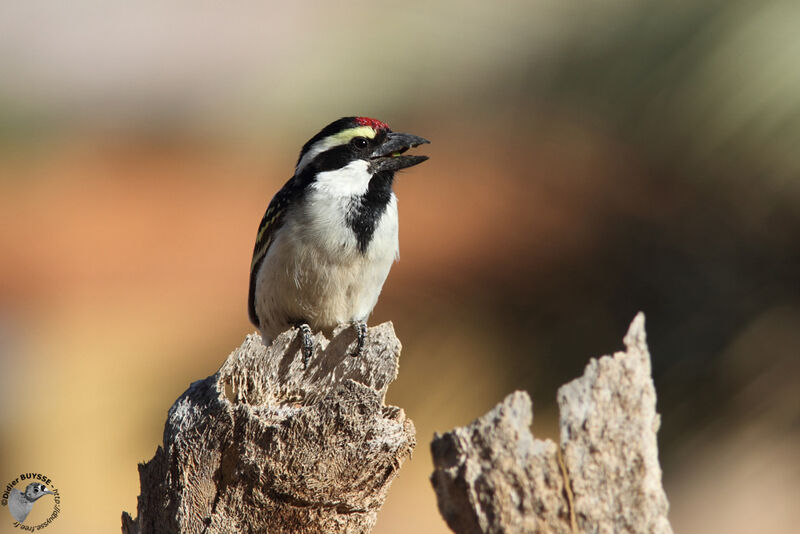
(492,476)
(265,445)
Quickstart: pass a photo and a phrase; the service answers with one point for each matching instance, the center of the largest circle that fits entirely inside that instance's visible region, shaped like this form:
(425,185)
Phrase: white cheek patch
(338,139)
(351,180)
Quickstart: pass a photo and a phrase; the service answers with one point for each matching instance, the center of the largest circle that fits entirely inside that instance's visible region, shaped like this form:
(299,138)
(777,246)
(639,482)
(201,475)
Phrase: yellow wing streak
(264,237)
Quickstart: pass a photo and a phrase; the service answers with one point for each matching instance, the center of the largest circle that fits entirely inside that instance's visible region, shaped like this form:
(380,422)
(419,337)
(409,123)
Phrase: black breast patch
(367,210)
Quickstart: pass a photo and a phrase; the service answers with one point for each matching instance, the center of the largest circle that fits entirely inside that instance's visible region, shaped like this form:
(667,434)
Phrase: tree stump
(492,476)
(266,445)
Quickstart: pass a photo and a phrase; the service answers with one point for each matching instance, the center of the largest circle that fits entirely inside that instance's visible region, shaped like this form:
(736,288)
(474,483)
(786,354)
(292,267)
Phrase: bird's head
(36,490)
(358,144)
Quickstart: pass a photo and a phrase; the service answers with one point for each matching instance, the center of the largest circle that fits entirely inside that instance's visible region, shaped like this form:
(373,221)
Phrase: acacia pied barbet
(329,236)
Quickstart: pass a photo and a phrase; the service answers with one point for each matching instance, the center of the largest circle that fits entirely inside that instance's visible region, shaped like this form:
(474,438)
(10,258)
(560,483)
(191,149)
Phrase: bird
(20,504)
(329,236)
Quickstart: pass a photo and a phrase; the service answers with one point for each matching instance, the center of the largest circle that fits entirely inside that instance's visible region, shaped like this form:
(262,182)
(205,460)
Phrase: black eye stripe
(339,156)
(332,159)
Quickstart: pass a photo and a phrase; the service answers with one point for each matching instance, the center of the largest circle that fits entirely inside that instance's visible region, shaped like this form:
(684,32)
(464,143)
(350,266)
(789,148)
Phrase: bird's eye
(360,142)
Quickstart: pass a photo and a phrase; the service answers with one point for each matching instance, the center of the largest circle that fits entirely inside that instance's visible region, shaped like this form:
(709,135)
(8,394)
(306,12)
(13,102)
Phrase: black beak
(388,156)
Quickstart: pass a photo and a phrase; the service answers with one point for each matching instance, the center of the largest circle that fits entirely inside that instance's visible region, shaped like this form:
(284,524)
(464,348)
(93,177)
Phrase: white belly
(315,273)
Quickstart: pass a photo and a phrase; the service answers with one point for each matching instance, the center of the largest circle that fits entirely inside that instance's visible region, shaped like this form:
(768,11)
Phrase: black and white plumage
(20,504)
(330,235)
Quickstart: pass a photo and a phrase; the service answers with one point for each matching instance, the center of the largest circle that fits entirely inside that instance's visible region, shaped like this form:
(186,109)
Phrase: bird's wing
(18,505)
(272,220)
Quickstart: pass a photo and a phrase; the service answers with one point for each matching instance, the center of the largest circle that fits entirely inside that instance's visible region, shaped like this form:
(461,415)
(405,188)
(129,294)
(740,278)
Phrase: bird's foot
(361,336)
(307,343)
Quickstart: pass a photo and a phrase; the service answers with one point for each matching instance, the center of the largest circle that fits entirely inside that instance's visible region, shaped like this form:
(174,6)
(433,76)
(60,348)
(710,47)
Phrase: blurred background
(588,160)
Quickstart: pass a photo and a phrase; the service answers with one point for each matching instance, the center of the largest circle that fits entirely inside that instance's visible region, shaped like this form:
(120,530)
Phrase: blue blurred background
(588,160)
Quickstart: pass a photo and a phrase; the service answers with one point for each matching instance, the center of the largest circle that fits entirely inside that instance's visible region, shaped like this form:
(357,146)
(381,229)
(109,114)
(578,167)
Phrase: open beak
(389,156)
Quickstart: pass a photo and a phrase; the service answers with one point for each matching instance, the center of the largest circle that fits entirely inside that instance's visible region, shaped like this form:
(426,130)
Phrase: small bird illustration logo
(20,504)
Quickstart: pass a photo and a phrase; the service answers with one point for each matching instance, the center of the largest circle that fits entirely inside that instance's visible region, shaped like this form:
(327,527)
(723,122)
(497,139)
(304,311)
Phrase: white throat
(351,180)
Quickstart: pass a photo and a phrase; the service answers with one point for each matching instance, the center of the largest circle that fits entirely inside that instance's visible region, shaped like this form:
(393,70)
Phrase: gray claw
(307,344)
(361,336)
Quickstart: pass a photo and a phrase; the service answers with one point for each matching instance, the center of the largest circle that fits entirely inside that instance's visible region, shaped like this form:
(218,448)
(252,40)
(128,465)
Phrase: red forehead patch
(372,123)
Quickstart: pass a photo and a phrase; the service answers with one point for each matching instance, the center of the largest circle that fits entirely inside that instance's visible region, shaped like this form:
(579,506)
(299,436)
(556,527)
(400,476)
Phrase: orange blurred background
(587,161)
